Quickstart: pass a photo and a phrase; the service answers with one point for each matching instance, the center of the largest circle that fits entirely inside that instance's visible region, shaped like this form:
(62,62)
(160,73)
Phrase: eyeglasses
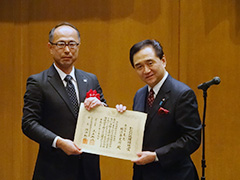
(63,44)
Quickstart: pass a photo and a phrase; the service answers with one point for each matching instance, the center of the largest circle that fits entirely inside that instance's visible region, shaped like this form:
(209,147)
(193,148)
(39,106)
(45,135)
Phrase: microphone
(204,86)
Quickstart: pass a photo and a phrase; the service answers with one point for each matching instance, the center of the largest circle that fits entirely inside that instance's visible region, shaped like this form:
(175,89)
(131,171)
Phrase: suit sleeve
(99,90)
(188,122)
(32,114)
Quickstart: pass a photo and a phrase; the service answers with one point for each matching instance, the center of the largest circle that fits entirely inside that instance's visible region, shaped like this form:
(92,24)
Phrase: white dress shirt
(157,87)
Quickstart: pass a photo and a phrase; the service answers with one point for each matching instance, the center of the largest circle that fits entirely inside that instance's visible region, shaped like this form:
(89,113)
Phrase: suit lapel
(140,102)
(82,82)
(55,80)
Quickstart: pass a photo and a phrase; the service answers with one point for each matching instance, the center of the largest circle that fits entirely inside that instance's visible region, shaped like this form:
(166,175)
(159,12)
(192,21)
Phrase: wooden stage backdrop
(201,39)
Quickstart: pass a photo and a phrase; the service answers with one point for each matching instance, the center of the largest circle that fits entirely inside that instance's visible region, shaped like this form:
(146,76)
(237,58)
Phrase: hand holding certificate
(105,131)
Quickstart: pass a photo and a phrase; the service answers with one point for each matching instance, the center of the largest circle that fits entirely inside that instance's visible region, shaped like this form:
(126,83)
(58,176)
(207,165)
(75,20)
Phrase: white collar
(63,74)
(157,87)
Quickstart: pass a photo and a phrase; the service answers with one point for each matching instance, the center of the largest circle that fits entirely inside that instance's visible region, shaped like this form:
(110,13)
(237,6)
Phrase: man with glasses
(50,111)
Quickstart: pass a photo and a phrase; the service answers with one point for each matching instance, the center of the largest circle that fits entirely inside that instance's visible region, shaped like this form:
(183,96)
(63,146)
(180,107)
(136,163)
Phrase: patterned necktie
(150,98)
(72,94)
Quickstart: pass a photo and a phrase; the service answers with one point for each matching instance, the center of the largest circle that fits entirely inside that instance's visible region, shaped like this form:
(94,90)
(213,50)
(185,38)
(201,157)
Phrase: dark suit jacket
(48,113)
(173,136)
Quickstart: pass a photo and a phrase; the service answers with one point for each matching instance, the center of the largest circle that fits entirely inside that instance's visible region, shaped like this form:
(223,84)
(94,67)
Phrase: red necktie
(150,98)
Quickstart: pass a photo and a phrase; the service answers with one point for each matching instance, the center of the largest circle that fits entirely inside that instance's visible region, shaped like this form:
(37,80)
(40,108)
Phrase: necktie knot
(68,78)
(150,98)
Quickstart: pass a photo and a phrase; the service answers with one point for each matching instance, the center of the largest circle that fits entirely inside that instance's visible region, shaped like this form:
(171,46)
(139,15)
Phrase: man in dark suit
(50,111)
(173,127)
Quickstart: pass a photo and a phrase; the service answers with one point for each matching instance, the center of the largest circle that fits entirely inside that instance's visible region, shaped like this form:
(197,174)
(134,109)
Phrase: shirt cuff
(54,144)
(104,104)
(156,158)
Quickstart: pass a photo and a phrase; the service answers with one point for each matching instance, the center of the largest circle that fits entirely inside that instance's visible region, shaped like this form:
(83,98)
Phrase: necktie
(72,94)
(150,98)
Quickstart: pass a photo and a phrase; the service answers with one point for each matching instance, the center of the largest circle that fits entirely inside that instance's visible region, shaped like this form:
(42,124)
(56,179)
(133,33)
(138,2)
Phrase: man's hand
(68,146)
(121,108)
(92,102)
(145,157)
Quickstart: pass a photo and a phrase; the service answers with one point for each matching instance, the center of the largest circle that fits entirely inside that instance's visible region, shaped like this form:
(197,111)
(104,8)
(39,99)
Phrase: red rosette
(92,93)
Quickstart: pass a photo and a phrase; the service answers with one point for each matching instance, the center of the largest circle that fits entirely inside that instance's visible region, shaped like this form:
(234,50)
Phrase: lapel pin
(162,101)
(84,80)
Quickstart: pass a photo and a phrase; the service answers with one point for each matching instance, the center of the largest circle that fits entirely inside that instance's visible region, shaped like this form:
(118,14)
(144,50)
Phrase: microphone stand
(203,134)
(204,87)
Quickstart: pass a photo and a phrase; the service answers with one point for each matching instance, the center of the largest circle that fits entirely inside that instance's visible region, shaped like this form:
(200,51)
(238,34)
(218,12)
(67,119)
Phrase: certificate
(105,131)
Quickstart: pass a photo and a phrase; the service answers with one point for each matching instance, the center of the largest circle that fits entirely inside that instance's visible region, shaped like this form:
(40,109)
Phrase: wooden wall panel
(209,47)
(200,39)
(108,29)
(7,102)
